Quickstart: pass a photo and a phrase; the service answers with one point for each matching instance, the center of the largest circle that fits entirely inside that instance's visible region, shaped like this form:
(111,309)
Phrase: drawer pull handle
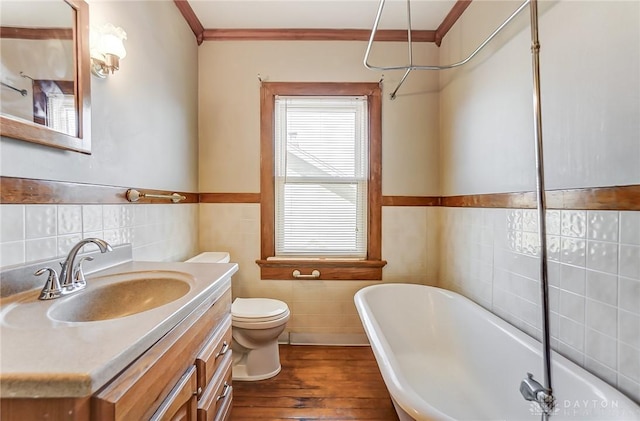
(225,391)
(223,350)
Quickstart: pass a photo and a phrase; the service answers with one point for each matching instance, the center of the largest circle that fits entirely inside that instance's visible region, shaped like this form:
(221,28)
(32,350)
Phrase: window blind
(321,173)
(61,113)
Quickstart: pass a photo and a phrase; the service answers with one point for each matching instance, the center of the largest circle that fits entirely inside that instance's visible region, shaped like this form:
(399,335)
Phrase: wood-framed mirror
(45,73)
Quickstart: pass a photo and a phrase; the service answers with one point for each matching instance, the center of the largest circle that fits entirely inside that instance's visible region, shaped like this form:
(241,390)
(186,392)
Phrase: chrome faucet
(533,391)
(70,271)
(71,274)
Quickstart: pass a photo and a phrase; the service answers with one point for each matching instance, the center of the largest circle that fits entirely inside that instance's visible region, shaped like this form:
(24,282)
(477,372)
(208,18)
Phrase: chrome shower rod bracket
(410,66)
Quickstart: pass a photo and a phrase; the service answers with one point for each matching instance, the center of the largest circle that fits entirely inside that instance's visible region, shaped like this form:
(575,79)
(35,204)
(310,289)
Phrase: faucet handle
(52,287)
(79,281)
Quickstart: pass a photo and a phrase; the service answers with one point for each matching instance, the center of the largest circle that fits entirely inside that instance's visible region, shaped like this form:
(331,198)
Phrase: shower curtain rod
(409,67)
(22,92)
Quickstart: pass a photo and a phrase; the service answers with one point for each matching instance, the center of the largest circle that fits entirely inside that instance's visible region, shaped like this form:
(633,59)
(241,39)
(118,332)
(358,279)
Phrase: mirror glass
(43,91)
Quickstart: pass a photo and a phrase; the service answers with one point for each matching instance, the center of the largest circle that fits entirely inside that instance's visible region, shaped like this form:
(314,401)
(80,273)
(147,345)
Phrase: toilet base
(256,364)
(240,374)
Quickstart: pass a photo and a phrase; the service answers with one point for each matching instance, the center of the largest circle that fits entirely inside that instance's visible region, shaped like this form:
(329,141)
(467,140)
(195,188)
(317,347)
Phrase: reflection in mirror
(44,92)
(37,43)
(54,105)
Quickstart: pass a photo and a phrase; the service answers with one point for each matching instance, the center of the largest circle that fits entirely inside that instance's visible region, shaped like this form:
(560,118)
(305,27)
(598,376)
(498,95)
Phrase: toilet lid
(257,308)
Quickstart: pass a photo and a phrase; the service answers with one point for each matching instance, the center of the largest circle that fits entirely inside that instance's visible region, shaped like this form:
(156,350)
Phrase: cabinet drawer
(216,399)
(181,404)
(212,354)
(224,408)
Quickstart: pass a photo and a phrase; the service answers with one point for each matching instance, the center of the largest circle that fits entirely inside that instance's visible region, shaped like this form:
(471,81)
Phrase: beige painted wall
(590,81)
(144,134)
(144,117)
(229,108)
(230,162)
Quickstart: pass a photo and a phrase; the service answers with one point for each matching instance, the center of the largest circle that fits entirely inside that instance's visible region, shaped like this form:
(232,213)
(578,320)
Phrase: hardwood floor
(317,383)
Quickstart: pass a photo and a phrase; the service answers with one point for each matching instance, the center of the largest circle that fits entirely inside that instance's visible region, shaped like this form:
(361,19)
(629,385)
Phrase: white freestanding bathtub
(444,357)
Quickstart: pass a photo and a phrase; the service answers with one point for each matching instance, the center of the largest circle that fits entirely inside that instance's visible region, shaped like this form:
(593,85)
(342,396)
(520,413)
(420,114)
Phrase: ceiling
(316,14)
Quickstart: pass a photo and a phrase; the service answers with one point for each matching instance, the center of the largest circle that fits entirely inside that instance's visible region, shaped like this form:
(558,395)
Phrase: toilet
(256,324)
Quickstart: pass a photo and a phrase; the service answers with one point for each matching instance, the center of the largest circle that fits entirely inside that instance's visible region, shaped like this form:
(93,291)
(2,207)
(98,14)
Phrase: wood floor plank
(318,375)
(317,383)
(310,402)
(358,364)
(362,393)
(313,413)
(346,353)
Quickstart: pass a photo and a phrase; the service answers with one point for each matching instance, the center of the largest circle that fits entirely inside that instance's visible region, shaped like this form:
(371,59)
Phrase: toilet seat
(257,308)
(258,313)
(253,324)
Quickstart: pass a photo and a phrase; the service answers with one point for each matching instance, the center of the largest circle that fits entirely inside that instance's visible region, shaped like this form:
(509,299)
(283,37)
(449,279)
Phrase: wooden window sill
(330,269)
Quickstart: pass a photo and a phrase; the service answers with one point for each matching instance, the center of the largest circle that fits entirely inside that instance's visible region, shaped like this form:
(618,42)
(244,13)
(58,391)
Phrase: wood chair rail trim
(15,190)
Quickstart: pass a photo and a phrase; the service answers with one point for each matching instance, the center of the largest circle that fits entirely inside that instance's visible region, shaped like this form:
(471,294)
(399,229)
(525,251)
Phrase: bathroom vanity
(171,361)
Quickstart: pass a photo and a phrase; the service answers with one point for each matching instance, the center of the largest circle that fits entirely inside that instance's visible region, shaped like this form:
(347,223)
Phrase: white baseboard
(333,339)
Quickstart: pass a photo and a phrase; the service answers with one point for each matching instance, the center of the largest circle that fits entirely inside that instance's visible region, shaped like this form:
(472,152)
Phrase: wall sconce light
(107,49)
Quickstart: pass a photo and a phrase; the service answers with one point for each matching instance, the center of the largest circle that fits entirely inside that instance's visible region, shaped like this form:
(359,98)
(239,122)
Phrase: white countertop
(42,357)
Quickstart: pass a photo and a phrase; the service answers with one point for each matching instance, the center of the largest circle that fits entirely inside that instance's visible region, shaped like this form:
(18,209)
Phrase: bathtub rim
(406,398)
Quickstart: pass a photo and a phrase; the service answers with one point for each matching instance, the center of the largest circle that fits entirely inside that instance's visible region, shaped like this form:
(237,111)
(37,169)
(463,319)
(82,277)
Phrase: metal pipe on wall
(547,405)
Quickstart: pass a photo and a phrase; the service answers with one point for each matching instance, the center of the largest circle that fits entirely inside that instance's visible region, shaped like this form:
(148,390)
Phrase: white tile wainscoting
(489,255)
(157,232)
(492,257)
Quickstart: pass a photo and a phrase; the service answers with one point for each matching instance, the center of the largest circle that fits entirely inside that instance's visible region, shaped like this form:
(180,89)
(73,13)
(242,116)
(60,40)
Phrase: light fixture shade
(107,39)
(95,43)
(112,41)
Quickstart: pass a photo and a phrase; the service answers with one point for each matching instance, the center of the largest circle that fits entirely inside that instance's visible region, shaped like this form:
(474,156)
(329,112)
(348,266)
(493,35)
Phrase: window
(320,180)
(61,113)
(321,174)
(54,105)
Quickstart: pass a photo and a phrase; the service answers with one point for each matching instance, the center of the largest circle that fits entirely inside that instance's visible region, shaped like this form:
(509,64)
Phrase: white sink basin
(119,299)
(105,298)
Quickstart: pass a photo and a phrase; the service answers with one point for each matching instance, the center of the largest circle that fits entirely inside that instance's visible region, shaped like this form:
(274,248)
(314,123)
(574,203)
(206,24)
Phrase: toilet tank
(210,257)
